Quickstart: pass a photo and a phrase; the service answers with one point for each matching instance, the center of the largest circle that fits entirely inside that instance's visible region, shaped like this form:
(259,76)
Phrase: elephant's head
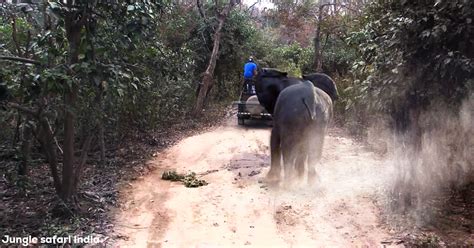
(271,72)
(268,85)
(324,82)
(270,82)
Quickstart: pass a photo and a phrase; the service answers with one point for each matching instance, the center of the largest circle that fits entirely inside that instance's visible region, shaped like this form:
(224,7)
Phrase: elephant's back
(268,90)
(290,106)
(324,102)
(302,103)
(323,82)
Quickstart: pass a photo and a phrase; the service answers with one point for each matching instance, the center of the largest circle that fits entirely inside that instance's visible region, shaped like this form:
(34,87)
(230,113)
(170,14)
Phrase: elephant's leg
(288,154)
(275,150)
(301,157)
(315,154)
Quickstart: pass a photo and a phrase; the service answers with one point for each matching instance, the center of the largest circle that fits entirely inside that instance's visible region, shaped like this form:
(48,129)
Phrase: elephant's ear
(324,82)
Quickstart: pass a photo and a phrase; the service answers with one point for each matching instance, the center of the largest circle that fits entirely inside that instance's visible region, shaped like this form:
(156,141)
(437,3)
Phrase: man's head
(251,59)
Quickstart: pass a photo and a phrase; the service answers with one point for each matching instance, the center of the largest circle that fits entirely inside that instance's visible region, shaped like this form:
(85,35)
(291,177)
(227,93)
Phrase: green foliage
(239,39)
(82,69)
(337,56)
(146,68)
(414,53)
(236,46)
(130,67)
(290,58)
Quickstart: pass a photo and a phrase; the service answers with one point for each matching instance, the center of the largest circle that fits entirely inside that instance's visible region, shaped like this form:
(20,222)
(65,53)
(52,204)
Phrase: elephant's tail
(311,114)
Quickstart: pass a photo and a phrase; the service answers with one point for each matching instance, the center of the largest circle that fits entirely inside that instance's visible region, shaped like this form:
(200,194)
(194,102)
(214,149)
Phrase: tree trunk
(101,139)
(90,27)
(68,146)
(100,125)
(25,148)
(16,135)
(46,139)
(208,75)
(317,65)
(73,32)
(82,162)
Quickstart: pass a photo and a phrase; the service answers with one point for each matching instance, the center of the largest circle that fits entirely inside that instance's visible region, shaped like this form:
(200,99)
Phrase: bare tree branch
(54,137)
(251,6)
(19,59)
(201,12)
(208,75)
(326,41)
(46,138)
(82,160)
(14,35)
(23,109)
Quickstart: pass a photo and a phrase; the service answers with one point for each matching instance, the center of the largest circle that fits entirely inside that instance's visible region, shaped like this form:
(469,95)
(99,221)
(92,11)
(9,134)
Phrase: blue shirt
(249,68)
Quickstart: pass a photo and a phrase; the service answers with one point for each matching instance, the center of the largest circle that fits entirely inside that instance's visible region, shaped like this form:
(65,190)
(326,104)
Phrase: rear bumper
(242,112)
(247,115)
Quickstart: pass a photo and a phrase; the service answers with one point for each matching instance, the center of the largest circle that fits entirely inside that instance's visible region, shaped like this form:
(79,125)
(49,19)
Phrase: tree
(60,39)
(339,10)
(86,74)
(414,58)
(317,40)
(415,67)
(208,75)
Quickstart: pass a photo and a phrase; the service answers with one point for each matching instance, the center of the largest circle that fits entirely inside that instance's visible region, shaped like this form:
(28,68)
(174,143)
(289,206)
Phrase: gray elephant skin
(270,82)
(300,118)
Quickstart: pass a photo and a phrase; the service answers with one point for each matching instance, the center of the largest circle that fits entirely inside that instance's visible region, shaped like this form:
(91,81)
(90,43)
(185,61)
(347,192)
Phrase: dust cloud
(357,188)
(443,160)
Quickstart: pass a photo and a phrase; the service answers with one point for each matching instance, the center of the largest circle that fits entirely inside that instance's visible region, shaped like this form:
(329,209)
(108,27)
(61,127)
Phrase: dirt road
(236,209)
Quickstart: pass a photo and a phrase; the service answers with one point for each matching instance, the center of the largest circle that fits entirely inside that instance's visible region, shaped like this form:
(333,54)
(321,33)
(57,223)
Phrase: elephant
(323,82)
(270,82)
(268,85)
(300,118)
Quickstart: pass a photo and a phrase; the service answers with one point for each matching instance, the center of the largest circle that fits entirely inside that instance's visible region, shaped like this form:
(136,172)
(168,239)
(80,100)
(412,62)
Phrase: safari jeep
(248,107)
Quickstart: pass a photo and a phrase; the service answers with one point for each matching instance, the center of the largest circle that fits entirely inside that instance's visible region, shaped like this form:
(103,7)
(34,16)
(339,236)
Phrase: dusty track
(237,210)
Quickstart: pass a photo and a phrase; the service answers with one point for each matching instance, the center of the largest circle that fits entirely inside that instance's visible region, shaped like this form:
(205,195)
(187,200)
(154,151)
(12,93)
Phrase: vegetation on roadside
(79,75)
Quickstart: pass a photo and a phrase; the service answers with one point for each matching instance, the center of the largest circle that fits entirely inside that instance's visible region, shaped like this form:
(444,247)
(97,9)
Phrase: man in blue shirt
(250,70)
